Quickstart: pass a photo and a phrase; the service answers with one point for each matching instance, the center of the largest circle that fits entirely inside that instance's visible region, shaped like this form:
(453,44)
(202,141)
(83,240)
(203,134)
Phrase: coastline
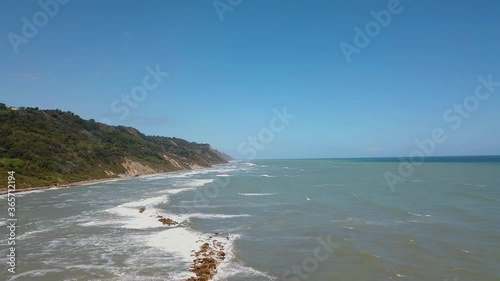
(94,181)
(211,249)
(63,186)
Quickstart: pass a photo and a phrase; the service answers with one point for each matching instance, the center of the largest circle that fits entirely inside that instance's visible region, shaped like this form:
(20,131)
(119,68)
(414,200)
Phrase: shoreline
(95,181)
(211,249)
(63,186)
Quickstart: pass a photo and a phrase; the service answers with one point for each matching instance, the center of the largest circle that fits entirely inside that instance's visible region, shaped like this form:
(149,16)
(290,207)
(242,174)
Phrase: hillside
(52,147)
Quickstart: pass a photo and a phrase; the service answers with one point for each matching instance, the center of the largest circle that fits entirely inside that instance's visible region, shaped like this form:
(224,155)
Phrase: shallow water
(285,219)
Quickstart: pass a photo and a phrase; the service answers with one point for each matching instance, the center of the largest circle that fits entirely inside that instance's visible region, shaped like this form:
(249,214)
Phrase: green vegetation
(46,147)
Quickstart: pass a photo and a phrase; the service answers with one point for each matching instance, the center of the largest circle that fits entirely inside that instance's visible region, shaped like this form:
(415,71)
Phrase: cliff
(52,147)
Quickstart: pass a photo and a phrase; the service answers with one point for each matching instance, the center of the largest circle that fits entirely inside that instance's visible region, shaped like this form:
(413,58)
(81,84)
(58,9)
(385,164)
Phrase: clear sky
(226,76)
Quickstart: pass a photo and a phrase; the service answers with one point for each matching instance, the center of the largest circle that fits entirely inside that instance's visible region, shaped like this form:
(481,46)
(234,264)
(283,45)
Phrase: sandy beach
(94,181)
(73,184)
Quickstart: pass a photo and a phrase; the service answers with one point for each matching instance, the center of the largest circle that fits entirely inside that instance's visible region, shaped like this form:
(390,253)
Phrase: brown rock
(166,221)
(205,265)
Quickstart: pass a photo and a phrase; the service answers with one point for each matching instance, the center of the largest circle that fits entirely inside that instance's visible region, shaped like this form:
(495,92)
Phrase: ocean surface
(315,220)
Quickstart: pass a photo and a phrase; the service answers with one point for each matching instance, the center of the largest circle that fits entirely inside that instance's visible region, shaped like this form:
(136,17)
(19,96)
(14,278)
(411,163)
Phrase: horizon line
(368,157)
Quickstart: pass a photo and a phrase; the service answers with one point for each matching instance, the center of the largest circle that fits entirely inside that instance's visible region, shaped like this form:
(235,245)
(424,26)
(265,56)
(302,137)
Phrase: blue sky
(226,76)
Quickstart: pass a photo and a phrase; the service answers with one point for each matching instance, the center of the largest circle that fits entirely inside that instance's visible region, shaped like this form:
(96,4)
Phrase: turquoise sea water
(294,220)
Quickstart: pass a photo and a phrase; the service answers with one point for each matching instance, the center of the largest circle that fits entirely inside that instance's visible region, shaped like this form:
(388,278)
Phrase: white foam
(216,216)
(133,218)
(475,185)
(196,183)
(33,273)
(256,194)
(53,245)
(267,176)
(223,175)
(63,194)
(230,267)
(187,185)
(62,205)
(227,270)
(193,172)
(99,223)
(28,234)
(178,241)
(97,182)
(223,169)
(155,177)
(22,193)
(186,175)
(417,215)
(181,174)
(175,190)
(146,202)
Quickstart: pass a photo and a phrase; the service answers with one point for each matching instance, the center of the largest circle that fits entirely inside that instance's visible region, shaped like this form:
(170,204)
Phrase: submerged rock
(207,259)
(167,221)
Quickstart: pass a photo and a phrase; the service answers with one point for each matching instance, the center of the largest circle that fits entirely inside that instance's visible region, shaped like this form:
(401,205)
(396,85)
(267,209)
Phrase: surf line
(207,258)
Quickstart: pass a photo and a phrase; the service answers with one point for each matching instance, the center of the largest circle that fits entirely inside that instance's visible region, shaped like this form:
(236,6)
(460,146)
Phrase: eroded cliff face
(174,163)
(205,157)
(134,168)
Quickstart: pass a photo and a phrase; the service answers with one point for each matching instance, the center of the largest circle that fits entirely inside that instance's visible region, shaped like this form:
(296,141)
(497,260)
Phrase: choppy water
(286,219)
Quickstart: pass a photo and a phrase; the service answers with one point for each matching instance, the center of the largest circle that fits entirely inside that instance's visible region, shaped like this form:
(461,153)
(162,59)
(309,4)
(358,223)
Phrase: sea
(305,219)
